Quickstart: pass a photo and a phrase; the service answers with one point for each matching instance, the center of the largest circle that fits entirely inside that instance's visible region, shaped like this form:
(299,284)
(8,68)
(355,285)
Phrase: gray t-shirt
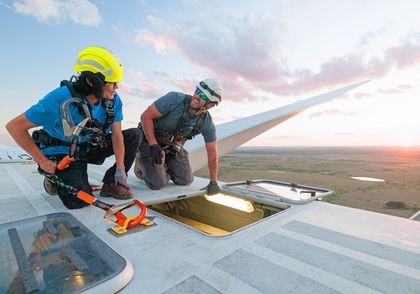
(171,106)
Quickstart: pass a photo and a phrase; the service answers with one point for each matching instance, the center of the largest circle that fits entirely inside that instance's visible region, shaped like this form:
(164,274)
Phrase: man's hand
(213,188)
(47,165)
(156,154)
(120,177)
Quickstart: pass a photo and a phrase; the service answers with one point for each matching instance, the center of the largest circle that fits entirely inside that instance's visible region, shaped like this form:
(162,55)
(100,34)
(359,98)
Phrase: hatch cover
(278,191)
(55,253)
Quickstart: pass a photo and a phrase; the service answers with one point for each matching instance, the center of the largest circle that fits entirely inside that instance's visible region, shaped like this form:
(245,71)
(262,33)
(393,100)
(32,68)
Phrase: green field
(332,167)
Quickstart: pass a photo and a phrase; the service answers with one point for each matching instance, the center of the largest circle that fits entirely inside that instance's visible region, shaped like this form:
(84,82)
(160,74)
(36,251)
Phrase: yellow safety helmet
(97,59)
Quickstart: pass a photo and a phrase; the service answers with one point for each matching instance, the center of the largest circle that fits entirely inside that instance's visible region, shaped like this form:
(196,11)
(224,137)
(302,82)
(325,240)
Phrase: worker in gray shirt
(167,124)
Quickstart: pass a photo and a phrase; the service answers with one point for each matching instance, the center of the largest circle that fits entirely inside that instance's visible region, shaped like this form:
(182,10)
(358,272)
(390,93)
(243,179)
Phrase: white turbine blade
(235,133)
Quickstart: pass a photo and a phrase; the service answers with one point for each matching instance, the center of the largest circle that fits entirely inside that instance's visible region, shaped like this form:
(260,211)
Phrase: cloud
(360,95)
(147,88)
(148,6)
(390,91)
(405,87)
(343,134)
(160,43)
(57,11)
(232,52)
(330,112)
(6,5)
(246,48)
(186,85)
(345,69)
(397,90)
(405,55)
(245,54)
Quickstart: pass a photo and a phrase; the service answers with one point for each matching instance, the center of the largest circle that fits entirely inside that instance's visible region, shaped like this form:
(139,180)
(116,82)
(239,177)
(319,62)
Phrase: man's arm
(147,118)
(212,160)
(118,144)
(18,129)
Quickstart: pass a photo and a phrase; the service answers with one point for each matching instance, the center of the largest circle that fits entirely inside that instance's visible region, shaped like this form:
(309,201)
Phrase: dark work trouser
(76,174)
(177,167)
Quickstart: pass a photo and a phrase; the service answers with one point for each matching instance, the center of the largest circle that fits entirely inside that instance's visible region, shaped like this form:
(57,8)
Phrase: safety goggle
(201,94)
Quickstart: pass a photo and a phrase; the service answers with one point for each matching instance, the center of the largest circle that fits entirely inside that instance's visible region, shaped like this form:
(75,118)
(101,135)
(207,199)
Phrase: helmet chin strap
(195,108)
(202,108)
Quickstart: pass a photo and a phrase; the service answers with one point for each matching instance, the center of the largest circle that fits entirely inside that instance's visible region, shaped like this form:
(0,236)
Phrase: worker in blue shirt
(91,95)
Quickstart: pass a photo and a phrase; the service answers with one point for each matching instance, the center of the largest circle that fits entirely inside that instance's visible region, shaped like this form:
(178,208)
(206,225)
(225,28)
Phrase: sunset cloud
(330,112)
(360,95)
(246,55)
(145,87)
(160,43)
(405,87)
(407,54)
(389,91)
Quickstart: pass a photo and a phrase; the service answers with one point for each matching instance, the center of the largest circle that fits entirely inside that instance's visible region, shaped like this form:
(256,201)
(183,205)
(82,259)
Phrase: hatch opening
(218,215)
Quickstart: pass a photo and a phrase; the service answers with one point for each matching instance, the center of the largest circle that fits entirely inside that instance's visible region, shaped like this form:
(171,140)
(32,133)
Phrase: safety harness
(93,128)
(177,139)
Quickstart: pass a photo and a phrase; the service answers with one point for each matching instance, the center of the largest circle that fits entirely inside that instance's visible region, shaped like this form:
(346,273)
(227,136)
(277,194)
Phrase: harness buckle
(171,138)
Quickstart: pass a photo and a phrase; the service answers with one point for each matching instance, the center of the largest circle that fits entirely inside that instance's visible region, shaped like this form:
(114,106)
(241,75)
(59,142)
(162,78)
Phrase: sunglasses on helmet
(201,94)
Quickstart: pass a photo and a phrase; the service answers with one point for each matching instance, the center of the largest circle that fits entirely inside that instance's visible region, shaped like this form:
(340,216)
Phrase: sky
(266,54)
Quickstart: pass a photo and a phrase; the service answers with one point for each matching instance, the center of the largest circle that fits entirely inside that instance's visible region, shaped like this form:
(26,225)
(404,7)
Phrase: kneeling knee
(156,184)
(183,181)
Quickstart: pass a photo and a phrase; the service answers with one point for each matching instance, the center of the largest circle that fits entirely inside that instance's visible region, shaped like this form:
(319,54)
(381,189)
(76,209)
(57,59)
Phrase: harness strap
(108,104)
(184,120)
(176,139)
(42,137)
(110,113)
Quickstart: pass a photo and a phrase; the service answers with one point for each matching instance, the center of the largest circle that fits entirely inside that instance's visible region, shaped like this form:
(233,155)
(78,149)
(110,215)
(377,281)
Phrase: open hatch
(55,253)
(237,206)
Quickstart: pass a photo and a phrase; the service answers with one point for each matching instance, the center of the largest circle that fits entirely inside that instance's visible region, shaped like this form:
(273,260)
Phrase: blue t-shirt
(46,113)
(171,107)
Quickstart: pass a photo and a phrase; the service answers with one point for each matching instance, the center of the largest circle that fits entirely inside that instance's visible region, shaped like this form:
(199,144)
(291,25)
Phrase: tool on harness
(112,212)
(64,163)
(96,134)
(66,119)
(107,104)
(93,128)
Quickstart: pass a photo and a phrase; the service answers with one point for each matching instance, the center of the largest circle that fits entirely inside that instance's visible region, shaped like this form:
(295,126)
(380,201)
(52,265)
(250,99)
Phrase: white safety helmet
(212,89)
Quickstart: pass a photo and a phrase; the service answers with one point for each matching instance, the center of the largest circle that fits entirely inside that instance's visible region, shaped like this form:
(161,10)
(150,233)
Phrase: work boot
(137,167)
(49,187)
(118,192)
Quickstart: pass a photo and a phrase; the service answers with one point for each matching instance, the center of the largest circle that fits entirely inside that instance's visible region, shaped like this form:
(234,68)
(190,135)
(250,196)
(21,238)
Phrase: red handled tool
(65,162)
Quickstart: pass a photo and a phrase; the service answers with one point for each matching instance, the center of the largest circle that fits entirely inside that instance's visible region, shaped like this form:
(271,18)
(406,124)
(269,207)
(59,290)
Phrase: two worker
(83,116)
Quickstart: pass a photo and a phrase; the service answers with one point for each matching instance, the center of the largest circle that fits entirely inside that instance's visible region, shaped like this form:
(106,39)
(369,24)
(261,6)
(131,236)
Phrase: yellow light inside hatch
(230,201)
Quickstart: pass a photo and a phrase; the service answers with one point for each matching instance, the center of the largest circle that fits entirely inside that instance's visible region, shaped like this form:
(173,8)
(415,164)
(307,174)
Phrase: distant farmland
(332,167)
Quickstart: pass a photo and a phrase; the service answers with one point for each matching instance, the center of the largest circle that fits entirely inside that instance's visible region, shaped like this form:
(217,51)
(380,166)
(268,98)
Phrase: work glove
(213,188)
(120,177)
(156,154)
